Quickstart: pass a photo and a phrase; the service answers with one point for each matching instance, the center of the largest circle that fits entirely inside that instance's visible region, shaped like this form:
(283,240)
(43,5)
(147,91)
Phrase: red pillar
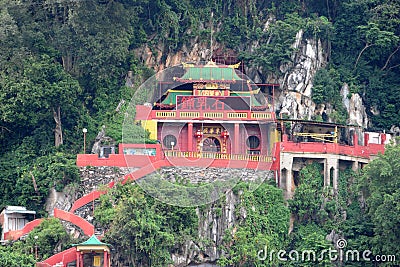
(355,139)
(190,136)
(383,138)
(105,258)
(366,139)
(78,259)
(236,139)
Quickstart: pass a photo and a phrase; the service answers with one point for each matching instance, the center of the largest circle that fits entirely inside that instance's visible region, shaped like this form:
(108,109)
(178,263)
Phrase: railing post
(236,139)
(355,139)
(190,136)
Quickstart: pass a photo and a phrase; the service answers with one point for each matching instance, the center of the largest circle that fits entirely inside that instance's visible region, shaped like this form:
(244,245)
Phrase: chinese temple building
(209,109)
(92,252)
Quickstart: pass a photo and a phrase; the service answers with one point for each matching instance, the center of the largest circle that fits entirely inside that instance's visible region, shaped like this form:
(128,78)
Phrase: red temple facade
(212,109)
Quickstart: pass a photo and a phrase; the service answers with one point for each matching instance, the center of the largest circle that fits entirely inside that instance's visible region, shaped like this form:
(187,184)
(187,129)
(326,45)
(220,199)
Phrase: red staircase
(15,235)
(67,256)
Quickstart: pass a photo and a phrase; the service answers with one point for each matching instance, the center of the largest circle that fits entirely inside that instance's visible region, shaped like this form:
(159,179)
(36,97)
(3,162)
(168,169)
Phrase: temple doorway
(211,144)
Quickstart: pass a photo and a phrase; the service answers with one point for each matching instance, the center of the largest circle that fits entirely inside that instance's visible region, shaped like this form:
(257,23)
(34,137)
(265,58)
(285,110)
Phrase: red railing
(332,148)
(89,198)
(245,115)
(65,257)
(15,235)
(146,113)
(87,228)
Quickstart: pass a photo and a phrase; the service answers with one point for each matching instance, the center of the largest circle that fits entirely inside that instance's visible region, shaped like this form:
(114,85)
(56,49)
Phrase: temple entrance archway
(211,144)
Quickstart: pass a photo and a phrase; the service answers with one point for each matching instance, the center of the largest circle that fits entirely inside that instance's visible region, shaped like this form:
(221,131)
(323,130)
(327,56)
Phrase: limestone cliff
(293,97)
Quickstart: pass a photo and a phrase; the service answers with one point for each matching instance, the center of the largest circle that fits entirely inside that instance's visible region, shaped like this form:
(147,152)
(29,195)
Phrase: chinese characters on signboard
(212,103)
(210,92)
(212,130)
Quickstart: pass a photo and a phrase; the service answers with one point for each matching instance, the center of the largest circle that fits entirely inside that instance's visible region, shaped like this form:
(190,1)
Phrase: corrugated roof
(18,209)
(92,241)
(210,73)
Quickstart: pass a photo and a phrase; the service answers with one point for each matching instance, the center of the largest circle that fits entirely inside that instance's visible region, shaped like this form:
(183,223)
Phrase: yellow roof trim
(234,66)
(187,65)
(178,91)
(246,92)
(93,247)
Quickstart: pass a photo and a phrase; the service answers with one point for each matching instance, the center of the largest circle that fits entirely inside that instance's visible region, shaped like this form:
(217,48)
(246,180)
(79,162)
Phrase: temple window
(169,141)
(253,142)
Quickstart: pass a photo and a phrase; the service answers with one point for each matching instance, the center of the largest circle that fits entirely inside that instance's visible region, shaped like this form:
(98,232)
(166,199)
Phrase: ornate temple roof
(209,73)
(92,241)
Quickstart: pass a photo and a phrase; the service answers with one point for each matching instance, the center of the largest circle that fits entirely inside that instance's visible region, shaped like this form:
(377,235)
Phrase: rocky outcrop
(158,59)
(354,106)
(294,97)
(92,178)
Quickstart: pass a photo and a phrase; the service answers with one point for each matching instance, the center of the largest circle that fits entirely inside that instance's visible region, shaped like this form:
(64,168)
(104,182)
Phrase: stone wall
(92,178)
(196,175)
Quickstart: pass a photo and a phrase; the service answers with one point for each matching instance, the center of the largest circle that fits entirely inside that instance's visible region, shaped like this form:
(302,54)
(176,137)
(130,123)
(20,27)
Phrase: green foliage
(11,257)
(380,186)
(326,86)
(276,44)
(309,195)
(365,52)
(47,237)
(143,229)
(310,241)
(326,89)
(24,167)
(265,225)
(234,31)
(41,242)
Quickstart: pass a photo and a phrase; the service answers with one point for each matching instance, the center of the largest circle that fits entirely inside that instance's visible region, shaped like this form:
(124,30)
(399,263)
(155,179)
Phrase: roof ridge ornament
(187,65)
(234,66)
(211,64)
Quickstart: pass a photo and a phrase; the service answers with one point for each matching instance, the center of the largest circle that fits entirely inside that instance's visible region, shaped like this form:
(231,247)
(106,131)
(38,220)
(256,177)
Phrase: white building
(13,218)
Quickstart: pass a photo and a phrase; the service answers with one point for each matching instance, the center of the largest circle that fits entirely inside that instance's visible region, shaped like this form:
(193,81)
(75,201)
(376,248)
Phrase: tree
(48,237)
(308,197)
(264,227)
(142,229)
(374,36)
(11,258)
(309,241)
(37,95)
(380,185)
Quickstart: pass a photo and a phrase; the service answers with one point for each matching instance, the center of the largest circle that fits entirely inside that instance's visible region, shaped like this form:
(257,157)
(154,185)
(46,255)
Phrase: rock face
(296,80)
(355,107)
(194,51)
(214,220)
(92,178)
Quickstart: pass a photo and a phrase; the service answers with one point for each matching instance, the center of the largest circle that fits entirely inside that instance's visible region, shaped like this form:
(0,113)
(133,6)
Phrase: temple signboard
(185,102)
